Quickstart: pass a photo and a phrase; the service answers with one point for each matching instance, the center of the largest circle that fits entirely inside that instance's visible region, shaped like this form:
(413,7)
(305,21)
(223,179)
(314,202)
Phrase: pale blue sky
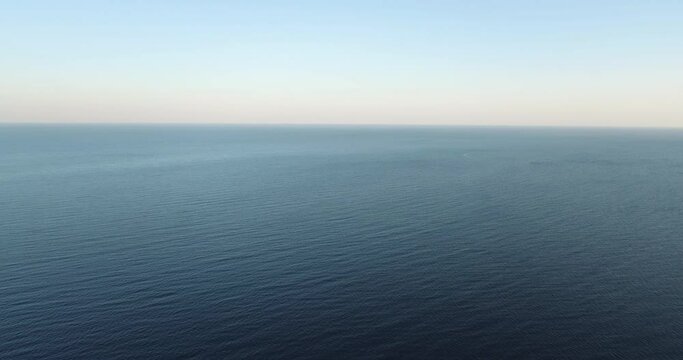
(606,63)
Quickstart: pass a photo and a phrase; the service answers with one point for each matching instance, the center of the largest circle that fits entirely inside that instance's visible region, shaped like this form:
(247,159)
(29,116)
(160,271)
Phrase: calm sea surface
(162,242)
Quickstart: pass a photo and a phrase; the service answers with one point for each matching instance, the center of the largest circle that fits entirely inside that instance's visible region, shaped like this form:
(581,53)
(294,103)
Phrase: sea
(340,242)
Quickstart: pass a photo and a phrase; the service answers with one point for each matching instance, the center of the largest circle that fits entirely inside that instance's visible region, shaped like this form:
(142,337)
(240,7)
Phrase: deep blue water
(144,242)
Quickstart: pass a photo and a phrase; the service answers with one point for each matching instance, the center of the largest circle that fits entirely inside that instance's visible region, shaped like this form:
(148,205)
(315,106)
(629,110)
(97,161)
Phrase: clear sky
(480,62)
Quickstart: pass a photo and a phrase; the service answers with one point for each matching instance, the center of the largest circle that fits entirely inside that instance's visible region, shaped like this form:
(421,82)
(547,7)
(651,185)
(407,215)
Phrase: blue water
(145,242)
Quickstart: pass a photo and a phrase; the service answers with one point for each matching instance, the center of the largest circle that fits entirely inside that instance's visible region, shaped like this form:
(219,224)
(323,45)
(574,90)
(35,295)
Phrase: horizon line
(295,124)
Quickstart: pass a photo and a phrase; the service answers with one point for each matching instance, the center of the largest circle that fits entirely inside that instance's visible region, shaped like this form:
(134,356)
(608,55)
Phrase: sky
(477,62)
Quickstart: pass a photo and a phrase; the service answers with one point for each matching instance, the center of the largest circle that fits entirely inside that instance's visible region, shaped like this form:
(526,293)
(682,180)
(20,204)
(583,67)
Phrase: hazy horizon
(524,63)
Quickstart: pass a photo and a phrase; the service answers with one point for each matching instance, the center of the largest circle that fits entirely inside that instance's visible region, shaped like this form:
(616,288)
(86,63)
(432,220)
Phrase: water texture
(162,242)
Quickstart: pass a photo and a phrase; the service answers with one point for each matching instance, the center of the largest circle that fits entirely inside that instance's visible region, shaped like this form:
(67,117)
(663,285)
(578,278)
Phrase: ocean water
(236,242)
